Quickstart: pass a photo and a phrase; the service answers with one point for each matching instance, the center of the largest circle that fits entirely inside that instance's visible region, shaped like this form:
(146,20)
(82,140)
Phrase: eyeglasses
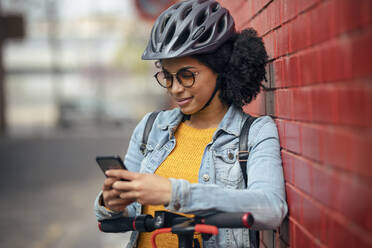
(184,76)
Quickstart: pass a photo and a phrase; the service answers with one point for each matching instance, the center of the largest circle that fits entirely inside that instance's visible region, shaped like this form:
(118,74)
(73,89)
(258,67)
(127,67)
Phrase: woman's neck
(210,117)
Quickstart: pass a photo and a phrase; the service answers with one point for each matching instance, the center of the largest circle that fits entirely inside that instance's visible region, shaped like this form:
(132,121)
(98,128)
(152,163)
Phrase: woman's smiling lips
(183,101)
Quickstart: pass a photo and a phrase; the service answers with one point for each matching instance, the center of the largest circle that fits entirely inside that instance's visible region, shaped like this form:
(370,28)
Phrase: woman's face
(190,100)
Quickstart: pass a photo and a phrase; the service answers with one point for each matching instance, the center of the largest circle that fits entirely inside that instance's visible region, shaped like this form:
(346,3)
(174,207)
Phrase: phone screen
(110,162)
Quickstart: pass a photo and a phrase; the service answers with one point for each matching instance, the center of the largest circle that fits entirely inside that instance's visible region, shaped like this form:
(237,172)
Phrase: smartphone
(110,162)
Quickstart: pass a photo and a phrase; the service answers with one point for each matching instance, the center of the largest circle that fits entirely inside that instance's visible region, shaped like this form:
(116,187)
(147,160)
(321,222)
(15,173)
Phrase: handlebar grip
(122,224)
(230,220)
(141,223)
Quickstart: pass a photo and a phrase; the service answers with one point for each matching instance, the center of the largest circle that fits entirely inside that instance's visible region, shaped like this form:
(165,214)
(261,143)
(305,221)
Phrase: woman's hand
(147,189)
(111,197)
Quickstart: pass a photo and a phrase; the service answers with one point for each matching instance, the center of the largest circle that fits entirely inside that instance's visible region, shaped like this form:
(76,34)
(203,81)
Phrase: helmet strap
(216,88)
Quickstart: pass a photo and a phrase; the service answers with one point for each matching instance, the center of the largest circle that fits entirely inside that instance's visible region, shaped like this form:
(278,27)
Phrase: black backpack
(254,236)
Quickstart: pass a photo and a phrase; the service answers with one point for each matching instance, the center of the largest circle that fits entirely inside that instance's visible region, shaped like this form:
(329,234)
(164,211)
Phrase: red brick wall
(320,95)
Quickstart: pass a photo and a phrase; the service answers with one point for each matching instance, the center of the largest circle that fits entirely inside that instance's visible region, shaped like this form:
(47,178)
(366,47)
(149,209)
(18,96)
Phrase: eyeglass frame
(174,74)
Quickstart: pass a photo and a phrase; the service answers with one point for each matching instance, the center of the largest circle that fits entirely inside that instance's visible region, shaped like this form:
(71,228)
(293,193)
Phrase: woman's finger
(122,174)
(116,202)
(122,186)
(111,194)
(107,184)
(129,195)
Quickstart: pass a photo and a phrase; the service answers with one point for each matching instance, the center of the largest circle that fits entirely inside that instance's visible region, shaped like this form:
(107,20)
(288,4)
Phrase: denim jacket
(221,183)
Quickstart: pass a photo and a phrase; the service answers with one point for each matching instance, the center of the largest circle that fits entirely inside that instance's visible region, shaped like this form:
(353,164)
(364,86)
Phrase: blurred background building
(78,63)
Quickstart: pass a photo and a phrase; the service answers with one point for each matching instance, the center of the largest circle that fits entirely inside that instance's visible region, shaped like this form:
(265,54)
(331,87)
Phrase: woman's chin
(186,111)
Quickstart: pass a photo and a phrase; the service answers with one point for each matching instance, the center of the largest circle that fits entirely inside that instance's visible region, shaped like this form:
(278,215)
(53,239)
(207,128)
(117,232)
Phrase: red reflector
(100,226)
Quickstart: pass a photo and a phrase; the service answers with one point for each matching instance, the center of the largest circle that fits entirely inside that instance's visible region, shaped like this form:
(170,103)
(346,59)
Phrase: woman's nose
(176,86)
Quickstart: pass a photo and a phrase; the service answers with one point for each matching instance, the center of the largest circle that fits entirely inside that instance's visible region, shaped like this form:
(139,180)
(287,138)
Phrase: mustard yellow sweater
(182,163)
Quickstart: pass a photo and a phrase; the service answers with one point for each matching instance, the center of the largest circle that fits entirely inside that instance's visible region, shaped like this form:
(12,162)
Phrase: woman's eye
(186,74)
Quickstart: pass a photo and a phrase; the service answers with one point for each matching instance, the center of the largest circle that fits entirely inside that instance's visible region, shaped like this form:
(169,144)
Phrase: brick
(319,28)
(340,235)
(282,37)
(350,15)
(232,6)
(303,5)
(361,54)
(286,71)
(293,137)
(270,44)
(337,60)
(302,174)
(276,13)
(311,142)
(336,148)
(312,217)
(270,103)
(324,104)
(289,9)
(265,19)
(354,201)
(281,130)
(302,104)
(294,71)
(283,103)
(303,240)
(299,33)
(322,185)
(311,66)
(294,204)
(278,74)
(243,15)
(361,154)
(288,167)
(353,97)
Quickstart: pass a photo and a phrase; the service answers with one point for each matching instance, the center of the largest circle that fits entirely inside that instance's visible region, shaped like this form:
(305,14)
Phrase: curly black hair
(240,64)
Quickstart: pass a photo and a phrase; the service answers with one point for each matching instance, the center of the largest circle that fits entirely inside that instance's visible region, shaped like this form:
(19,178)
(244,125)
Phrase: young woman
(190,162)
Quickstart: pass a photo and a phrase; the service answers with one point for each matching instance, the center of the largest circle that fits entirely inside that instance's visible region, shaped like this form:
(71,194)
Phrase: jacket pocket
(227,167)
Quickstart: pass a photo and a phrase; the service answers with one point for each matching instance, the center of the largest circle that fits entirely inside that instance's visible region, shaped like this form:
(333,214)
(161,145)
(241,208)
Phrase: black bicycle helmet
(189,27)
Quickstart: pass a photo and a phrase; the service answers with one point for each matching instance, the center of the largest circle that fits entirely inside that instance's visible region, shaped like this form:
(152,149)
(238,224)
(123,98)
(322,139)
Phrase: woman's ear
(157,64)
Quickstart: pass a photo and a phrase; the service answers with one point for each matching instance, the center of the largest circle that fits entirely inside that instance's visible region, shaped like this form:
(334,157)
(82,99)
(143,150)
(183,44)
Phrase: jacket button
(205,177)
(230,155)
(177,206)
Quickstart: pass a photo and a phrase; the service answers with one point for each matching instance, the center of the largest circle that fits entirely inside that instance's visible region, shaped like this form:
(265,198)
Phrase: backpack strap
(254,236)
(147,130)
(243,147)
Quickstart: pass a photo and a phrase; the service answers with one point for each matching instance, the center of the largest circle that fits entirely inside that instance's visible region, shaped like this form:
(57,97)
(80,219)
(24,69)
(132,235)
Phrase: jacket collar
(231,122)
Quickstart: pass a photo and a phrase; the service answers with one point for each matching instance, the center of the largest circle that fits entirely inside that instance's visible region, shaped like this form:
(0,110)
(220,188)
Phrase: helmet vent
(202,1)
(165,22)
(181,39)
(170,34)
(186,11)
(221,25)
(200,18)
(215,7)
(205,36)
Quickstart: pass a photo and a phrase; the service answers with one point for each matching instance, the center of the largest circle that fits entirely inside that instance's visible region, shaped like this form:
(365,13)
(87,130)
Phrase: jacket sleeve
(132,161)
(265,194)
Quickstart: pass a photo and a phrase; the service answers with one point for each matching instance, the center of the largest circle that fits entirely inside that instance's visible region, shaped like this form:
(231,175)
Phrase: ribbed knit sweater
(182,163)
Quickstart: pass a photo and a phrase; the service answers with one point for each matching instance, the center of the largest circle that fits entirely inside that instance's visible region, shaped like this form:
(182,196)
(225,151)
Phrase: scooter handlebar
(229,220)
(145,223)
